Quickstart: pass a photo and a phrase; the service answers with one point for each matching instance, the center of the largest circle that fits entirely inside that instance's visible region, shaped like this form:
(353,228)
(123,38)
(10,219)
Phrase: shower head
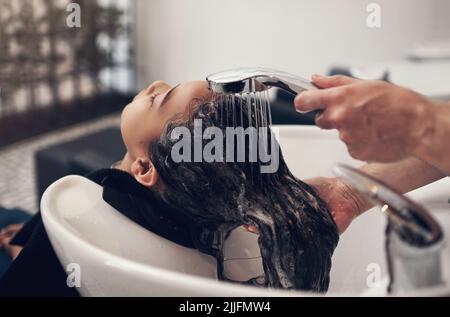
(248,80)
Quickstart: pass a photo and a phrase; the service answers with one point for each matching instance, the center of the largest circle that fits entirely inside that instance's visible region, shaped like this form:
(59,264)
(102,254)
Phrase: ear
(144,172)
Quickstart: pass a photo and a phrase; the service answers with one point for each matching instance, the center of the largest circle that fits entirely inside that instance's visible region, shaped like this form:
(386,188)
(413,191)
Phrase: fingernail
(301,111)
(298,107)
(299,99)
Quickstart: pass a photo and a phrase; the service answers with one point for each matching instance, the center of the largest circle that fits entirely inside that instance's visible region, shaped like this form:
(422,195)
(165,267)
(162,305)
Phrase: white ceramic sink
(119,258)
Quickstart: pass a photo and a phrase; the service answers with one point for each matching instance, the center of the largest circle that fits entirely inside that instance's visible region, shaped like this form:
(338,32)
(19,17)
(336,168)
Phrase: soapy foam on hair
(297,234)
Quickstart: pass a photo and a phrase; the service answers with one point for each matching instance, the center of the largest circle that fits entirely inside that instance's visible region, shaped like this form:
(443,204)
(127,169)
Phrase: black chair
(78,157)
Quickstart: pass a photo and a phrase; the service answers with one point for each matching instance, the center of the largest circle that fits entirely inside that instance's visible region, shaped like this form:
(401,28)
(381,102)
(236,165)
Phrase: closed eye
(152,98)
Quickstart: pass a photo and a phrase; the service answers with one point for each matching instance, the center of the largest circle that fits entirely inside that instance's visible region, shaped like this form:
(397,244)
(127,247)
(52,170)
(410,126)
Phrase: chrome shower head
(248,80)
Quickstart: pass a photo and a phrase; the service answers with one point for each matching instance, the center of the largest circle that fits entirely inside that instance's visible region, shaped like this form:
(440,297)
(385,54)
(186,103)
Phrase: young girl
(197,203)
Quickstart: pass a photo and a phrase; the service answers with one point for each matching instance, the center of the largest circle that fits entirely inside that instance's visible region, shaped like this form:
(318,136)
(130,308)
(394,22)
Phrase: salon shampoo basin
(114,256)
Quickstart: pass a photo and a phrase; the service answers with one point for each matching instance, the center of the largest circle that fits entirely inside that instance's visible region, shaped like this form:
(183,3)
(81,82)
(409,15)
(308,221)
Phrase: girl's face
(143,120)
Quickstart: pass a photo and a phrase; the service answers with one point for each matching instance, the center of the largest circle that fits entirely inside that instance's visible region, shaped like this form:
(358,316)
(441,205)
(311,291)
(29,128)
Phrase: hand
(6,235)
(343,201)
(376,120)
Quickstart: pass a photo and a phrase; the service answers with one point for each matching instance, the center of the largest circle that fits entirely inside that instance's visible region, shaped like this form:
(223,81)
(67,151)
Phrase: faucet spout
(414,239)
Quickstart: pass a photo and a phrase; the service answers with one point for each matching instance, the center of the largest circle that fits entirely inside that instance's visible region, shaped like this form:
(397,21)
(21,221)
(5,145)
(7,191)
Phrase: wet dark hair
(297,232)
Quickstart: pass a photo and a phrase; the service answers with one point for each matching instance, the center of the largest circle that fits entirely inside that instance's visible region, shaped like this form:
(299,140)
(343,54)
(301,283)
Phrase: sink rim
(51,223)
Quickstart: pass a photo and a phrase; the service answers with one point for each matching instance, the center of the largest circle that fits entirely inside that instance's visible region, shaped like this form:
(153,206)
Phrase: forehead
(191,90)
(186,95)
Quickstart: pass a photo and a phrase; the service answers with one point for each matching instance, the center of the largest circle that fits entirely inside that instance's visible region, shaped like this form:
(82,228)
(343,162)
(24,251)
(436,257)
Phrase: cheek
(129,123)
(137,127)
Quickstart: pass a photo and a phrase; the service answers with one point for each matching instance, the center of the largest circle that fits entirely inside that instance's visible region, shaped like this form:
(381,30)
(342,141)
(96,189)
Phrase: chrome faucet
(414,240)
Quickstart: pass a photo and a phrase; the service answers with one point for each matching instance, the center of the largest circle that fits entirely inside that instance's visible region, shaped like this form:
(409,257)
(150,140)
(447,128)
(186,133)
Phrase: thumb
(332,81)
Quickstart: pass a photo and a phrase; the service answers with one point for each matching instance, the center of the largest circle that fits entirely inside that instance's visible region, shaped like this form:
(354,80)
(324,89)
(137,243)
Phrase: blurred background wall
(179,40)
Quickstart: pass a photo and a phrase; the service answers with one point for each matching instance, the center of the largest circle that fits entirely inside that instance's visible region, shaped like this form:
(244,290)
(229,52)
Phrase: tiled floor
(17,180)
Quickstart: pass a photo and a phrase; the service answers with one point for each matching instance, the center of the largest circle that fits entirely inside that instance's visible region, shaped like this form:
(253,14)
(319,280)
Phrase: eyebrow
(166,97)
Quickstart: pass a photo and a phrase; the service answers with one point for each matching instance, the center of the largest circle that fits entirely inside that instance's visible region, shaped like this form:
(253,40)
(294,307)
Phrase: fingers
(4,241)
(320,99)
(332,81)
(12,250)
(336,117)
(323,121)
(14,227)
(311,100)
(11,229)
